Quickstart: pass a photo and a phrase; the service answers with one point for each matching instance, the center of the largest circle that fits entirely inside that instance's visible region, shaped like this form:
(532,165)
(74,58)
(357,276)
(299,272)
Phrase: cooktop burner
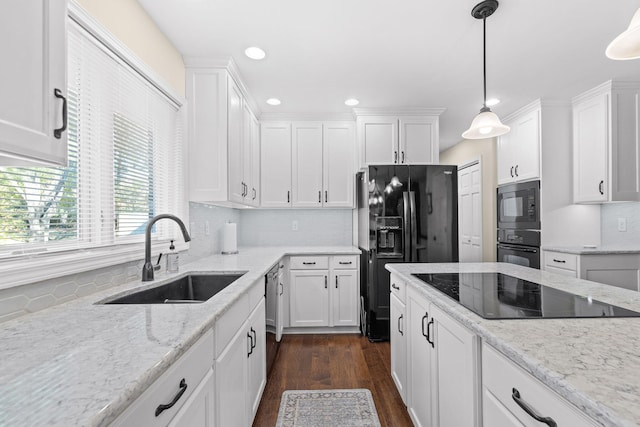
(500,296)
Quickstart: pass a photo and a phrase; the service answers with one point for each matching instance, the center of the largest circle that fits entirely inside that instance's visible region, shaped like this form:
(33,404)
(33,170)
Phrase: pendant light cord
(484,60)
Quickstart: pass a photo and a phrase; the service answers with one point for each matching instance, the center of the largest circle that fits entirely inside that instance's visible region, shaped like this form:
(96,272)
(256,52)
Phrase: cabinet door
(231,381)
(235,142)
(254,173)
(380,139)
(34,67)
(307,164)
(505,157)
(398,346)
(590,154)
(198,410)
(309,304)
(527,152)
(345,297)
(456,372)
(338,165)
(275,165)
(257,359)
(419,361)
(419,140)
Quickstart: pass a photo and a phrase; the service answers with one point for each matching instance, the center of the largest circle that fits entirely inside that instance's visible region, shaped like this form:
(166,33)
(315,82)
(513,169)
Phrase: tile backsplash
(329,227)
(610,213)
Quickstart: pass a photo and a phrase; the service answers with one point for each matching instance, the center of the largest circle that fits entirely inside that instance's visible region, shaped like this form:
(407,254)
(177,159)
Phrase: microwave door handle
(414,227)
(406,227)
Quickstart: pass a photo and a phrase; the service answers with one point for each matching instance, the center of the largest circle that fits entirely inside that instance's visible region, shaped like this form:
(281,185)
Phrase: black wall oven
(519,224)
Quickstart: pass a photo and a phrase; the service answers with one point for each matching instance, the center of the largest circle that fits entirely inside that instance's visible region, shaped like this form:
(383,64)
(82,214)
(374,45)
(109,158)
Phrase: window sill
(44,266)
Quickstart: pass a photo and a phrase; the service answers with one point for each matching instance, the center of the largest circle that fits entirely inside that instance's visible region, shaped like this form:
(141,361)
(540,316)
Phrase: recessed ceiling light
(493,101)
(351,102)
(255,53)
(273,101)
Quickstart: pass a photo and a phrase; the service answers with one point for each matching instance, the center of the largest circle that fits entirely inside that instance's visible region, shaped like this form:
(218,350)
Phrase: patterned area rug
(327,408)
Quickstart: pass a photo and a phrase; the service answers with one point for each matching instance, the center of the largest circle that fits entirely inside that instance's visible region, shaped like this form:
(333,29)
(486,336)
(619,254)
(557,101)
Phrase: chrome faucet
(148,268)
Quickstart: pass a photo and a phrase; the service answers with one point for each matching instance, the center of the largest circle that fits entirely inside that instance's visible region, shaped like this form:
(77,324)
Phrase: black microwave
(519,205)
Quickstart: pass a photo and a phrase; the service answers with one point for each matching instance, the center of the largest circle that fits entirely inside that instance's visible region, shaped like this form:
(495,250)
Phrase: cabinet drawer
(192,366)
(309,262)
(344,261)
(500,377)
(397,287)
(256,293)
(561,260)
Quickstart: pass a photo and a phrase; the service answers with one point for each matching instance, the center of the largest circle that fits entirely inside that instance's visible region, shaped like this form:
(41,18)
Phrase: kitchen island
(592,363)
(82,363)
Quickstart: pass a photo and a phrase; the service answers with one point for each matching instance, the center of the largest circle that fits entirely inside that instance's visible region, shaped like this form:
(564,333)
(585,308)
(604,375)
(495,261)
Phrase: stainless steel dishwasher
(272,291)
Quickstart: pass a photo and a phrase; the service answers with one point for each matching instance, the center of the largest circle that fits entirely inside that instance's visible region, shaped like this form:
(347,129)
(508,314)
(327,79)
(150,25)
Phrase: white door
(34,52)
(527,165)
(419,365)
(590,153)
(235,142)
(398,346)
(231,381)
(275,165)
(338,162)
(306,157)
(198,410)
(309,298)
(418,140)
(257,373)
(280,303)
(345,297)
(380,139)
(254,195)
(470,213)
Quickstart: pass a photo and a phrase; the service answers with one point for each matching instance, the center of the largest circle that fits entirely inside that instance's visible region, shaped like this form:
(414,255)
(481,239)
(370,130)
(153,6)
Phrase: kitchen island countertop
(590,250)
(82,363)
(591,362)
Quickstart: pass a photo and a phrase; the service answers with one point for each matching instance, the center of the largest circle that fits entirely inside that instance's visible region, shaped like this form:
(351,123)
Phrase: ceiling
(407,53)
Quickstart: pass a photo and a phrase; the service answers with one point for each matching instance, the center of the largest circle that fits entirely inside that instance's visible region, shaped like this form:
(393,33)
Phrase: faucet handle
(157,266)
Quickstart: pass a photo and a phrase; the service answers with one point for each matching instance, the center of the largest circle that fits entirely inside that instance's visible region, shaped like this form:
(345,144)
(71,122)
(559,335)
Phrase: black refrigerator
(405,214)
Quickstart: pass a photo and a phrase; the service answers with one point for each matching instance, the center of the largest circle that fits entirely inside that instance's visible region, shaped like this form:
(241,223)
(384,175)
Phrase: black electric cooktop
(500,296)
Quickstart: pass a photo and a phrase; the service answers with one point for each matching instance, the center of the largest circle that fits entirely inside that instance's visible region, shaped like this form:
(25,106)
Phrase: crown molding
(409,111)
(310,117)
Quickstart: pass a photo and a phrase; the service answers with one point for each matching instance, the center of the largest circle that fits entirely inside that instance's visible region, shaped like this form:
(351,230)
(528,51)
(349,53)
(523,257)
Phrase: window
(125,163)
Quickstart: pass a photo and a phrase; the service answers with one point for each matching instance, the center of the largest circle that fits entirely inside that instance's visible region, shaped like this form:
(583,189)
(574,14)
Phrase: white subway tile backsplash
(609,214)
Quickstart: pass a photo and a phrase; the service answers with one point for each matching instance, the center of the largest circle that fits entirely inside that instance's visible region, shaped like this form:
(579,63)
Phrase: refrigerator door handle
(406,227)
(414,227)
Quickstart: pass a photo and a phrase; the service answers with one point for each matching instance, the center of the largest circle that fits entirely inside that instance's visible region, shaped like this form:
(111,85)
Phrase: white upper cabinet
(606,144)
(33,82)
(275,164)
(307,164)
(519,150)
(389,139)
(223,138)
(320,162)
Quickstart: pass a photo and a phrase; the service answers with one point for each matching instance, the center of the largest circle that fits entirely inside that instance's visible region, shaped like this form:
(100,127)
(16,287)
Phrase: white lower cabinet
(398,346)
(324,291)
(257,363)
(442,367)
(512,397)
(185,385)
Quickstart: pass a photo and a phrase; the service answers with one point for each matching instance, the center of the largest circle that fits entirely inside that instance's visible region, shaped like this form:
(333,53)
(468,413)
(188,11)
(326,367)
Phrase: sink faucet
(147,269)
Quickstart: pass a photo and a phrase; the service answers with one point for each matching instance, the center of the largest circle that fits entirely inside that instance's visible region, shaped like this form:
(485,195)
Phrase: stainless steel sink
(193,288)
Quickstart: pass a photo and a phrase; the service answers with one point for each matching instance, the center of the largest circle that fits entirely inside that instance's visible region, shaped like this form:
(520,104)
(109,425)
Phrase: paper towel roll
(229,239)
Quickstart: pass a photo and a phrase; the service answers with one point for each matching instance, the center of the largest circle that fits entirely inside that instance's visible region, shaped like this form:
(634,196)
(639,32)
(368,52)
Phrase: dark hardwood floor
(310,362)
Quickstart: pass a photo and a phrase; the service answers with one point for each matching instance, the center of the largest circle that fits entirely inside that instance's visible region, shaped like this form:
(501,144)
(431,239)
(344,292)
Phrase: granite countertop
(593,250)
(82,364)
(593,363)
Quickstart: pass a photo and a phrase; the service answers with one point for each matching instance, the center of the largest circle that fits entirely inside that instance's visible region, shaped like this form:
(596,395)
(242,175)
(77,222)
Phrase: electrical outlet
(206,228)
(622,224)
(294,225)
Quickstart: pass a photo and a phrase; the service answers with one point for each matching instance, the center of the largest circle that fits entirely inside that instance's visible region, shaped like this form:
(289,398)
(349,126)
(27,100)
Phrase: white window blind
(125,163)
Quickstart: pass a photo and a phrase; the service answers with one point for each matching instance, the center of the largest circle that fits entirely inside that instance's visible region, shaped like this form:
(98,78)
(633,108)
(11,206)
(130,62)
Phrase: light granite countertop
(597,250)
(593,363)
(82,364)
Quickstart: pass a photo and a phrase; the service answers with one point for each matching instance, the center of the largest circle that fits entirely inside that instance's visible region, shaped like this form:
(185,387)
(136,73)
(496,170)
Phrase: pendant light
(627,44)
(486,124)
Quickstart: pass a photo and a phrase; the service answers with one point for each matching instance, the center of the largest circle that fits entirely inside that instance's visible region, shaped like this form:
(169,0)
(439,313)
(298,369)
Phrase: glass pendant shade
(395,182)
(627,44)
(485,125)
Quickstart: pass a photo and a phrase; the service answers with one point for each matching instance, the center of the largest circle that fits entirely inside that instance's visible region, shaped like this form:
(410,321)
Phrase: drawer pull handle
(515,394)
(559,260)
(162,408)
(345,263)
(309,263)
(393,285)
